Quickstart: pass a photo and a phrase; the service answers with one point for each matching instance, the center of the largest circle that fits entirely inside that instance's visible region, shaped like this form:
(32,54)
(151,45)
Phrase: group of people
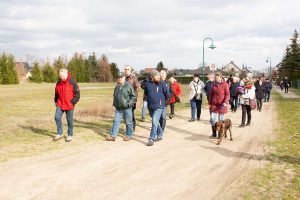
(221,92)
(285,85)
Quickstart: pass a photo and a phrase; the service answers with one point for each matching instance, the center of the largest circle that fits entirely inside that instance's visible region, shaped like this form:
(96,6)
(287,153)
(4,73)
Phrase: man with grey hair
(67,94)
(131,78)
(163,119)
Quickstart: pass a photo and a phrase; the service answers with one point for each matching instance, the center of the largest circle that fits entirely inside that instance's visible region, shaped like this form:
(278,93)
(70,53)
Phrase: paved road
(185,165)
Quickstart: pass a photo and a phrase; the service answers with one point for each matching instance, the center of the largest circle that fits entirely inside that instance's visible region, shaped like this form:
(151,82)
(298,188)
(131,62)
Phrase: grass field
(27,117)
(280,179)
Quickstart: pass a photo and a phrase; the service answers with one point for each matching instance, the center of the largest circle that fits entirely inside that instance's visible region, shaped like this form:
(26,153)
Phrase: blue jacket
(157,94)
(268,86)
(208,88)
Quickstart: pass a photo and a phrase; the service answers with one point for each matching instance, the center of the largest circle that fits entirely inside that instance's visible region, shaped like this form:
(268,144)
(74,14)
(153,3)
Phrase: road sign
(213,67)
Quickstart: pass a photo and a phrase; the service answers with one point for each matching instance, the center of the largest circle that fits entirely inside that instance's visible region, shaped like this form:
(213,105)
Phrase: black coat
(260,91)
(233,89)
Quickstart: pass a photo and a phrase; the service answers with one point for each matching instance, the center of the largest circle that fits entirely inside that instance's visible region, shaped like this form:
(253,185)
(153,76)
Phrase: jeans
(144,109)
(259,103)
(234,103)
(163,119)
(127,115)
(156,130)
(267,96)
(213,117)
(195,105)
(58,115)
(246,109)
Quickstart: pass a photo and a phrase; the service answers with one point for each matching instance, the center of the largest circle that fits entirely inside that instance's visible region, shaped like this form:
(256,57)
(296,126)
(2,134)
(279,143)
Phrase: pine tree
(36,73)
(160,66)
(104,69)
(79,68)
(8,73)
(59,64)
(114,70)
(49,73)
(290,64)
(93,67)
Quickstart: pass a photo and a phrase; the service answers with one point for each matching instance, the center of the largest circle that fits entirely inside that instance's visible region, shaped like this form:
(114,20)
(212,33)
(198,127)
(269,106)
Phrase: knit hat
(120,75)
(154,73)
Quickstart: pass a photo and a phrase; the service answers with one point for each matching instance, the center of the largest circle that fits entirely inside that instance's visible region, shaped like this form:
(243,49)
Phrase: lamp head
(212,46)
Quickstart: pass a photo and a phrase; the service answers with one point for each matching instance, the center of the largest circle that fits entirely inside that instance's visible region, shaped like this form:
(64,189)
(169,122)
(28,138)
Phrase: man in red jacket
(218,101)
(67,94)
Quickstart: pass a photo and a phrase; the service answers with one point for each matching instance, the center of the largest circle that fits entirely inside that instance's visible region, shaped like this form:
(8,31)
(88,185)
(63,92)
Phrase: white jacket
(195,88)
(249,94)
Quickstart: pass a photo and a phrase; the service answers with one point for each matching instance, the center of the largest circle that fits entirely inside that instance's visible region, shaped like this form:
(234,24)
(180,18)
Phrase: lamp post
(269,60)
(212,46)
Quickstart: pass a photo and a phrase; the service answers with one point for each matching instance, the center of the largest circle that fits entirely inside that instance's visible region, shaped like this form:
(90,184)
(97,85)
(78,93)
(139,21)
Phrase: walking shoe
(69,138)
(126,138)
(242,125)
(171,116)
(191,120)
(198,119)
(213,137)
(150,143)
(248,124)
(110,138)
(57,137)
(157,139)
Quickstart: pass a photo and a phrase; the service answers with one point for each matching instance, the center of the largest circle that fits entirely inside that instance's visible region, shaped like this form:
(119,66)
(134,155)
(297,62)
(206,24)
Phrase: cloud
(142,33)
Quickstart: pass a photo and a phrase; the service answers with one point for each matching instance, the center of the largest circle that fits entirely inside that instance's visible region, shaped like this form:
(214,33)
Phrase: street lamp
(212,46)
(269,59)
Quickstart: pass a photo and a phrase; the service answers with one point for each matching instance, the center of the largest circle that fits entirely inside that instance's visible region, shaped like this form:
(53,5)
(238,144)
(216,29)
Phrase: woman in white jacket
(249,93)
(196,89)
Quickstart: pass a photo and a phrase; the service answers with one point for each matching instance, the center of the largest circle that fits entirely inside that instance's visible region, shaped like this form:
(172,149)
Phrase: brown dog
(222,128)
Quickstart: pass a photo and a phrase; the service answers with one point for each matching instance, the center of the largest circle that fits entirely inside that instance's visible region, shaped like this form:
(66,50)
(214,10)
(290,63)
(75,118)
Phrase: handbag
(253,104)
(177,99)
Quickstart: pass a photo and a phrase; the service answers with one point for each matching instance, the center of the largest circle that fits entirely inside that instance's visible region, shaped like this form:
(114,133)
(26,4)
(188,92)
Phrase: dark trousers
(286,89)
(172,106)
(246,109)
(259,102)
(234,103)
(133,118)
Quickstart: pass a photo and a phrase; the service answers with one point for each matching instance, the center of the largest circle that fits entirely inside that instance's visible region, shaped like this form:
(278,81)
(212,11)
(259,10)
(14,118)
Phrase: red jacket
(219,95)
(67,93)
(176,91)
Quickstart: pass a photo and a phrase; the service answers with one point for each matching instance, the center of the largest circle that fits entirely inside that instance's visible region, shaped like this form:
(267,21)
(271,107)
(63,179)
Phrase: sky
(141,33)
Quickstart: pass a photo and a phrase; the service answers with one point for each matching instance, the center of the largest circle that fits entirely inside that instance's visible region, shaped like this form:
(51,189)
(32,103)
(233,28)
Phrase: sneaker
(248,124)
(57,137)
(69,138)
(198,119)
(127,138)
(110,138)
(213,137)
(150,143)
(191,120)
(242,126)
(157,139)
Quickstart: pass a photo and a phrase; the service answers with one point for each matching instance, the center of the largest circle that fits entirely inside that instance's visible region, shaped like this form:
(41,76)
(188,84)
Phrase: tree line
(90,69)
(290,63)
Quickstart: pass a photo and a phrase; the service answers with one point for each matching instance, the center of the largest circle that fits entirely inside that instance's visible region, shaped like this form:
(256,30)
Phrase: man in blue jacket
(156,93)
(268,87)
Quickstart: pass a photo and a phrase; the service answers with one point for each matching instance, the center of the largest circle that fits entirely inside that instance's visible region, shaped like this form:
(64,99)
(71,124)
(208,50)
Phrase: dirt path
(185,165)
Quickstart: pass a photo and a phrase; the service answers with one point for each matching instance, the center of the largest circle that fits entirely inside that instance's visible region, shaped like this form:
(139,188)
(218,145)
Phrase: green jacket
(124,96)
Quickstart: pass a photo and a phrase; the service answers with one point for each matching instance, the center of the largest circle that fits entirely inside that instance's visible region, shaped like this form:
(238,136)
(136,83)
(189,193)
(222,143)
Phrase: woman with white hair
(67,94)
